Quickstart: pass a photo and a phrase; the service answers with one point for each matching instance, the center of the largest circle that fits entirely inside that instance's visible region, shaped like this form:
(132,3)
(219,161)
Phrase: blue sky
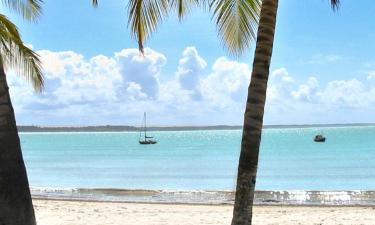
(323,68)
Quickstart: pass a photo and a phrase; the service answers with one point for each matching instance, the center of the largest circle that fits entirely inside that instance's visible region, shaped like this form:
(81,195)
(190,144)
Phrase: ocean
(200,166)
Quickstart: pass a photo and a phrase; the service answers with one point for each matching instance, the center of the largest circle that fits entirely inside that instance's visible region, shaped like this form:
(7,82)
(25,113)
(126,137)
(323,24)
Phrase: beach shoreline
(272,204)
(66,212)
(208,197)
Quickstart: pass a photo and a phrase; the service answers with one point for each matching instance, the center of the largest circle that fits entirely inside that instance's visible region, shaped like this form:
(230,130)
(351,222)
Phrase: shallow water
(201,160)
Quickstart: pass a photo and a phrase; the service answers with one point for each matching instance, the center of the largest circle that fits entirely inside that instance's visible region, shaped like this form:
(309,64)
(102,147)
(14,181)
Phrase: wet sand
(57,212)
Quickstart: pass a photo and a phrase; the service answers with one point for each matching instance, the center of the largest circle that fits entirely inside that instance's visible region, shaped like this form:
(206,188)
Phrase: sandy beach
(54,212)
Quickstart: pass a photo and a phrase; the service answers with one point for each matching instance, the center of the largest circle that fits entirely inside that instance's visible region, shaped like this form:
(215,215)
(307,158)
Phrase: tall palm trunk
(15,200)
(253,120)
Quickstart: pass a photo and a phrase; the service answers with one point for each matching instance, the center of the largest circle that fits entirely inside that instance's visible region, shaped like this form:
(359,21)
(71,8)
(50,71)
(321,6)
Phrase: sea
(200,166)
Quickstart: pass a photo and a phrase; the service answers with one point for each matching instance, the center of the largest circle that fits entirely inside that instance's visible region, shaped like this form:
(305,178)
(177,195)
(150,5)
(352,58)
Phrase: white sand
(50,212)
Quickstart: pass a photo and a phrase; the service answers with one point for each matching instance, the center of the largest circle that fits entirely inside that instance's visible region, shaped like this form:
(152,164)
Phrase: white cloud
(57,64)
(371,76)
(309,91)
(117,89)
(348,93)
(142,70)
(134,91)
(279,86)
(190,71)
(228,82)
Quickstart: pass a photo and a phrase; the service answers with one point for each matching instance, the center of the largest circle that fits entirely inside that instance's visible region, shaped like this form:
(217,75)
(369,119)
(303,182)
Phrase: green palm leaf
(184,6)
(237,22)
(14,54)
(146,15)
(144,18)
(29,9)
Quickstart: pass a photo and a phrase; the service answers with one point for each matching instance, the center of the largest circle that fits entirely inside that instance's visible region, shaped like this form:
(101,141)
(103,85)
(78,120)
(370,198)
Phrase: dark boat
(319,138)
(144,139)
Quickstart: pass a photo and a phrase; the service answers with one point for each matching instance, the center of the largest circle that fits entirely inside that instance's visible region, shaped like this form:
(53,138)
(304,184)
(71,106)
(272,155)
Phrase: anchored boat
(319,138)
(144,139)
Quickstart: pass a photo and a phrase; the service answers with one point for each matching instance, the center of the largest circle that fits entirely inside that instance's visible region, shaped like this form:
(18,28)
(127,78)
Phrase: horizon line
(195,126)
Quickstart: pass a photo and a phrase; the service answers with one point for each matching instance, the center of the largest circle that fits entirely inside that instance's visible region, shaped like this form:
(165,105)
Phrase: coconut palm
(237,22)
(15,200)
(255,103)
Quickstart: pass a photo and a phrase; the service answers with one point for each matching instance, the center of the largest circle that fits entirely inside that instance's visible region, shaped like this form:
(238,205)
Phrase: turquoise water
(201,160)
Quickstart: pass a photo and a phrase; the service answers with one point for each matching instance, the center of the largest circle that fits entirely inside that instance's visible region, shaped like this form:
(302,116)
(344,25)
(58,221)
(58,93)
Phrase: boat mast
(145,124)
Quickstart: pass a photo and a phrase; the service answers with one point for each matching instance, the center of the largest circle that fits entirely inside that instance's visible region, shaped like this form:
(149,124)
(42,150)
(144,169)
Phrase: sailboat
(320,137)
(144,139)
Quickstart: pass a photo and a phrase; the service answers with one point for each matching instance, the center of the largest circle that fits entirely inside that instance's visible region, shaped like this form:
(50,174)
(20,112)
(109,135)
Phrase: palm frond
(29,9)
(14,54)
(95,3)
(144,18)
(335,4)
(184,6)
(237,22)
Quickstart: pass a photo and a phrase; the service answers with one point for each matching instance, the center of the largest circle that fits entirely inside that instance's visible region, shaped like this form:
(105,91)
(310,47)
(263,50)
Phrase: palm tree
(254,111)
(15,200)
(237,22)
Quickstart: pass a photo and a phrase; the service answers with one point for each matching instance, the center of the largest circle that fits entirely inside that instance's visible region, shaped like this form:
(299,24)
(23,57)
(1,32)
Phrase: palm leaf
(144,18)
(95,3)
(184,6)
(29,9)
(237,22)
(335,4)
(14,54)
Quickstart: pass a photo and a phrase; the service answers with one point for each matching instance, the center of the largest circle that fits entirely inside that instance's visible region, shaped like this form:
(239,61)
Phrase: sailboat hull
(320,139)
(147,142)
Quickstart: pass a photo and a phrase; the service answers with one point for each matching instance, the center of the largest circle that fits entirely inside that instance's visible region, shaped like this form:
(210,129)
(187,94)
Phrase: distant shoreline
(120,128)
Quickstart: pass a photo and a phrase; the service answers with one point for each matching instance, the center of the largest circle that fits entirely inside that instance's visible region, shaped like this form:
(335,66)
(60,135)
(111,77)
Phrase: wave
(207,196)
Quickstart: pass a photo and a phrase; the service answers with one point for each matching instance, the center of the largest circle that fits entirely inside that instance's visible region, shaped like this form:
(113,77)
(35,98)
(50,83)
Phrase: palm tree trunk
(253,119)
(15,200)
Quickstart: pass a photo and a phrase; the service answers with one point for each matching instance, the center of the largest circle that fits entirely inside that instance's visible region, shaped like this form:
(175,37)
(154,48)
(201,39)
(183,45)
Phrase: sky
(322,71)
